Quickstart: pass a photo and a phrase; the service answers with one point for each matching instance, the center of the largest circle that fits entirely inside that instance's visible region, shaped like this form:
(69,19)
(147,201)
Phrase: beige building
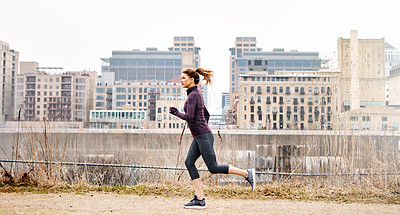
(286,100)
(66,97)
(394,86)
(370,118)
(155,98)
(362,66)
(9,69)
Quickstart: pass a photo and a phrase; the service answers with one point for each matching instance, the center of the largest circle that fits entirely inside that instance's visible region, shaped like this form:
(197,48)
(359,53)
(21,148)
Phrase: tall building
(242,45)
(9,69)
(65,97)
(362,79)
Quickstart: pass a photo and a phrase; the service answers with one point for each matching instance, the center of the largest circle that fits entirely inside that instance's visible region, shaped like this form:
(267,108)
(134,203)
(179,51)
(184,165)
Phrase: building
(63,97)
(392,58)
(286,100)
(153,65)
(279,60)
(370,118)
(394,86)
(362,80)
(242,45)
(225,101)
(187,43)
(117,119)
(9,69)
(154,98)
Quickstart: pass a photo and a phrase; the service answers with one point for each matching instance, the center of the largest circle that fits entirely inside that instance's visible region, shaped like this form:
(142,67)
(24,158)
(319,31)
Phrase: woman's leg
(206,147)
(237,171)
(197,188)
(192,156)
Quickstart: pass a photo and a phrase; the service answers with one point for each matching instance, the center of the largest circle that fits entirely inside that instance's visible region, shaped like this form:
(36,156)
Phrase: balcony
(274,92)
(295,102)
(259,92)
(310,121)
(310,103)
(302,92)
(274,111)
(288,111)
(287,92)
(316,93)
(281,102)
(252,102)
(259,112)
(268,101)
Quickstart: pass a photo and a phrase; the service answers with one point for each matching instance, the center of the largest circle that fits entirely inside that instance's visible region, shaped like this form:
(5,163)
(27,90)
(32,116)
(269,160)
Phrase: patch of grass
(294,190)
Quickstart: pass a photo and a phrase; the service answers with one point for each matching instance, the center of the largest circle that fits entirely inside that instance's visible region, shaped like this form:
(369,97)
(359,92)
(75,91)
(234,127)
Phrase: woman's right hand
(173,110)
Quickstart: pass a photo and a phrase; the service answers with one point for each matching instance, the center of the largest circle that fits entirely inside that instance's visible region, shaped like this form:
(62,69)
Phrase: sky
(75,34)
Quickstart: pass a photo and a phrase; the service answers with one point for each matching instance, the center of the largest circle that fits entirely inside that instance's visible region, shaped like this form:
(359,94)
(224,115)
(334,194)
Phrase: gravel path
(99,203)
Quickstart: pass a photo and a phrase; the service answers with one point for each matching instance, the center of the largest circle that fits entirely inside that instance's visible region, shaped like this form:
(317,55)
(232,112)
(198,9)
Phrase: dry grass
(293,190)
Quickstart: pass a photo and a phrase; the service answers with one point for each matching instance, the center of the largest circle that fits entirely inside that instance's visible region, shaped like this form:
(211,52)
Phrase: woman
(197,117)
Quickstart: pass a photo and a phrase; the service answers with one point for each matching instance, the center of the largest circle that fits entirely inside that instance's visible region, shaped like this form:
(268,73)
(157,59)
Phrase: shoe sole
(194,207)
(253,173)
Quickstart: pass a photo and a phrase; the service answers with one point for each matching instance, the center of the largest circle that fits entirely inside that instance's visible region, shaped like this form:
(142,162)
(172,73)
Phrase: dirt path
(98,203)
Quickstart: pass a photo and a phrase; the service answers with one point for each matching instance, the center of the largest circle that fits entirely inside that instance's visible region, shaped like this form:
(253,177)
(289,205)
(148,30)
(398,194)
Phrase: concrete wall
(288,151)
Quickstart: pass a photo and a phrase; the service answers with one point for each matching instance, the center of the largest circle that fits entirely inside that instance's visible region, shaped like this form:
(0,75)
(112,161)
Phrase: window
(366,118)
(100,90)
(384,118)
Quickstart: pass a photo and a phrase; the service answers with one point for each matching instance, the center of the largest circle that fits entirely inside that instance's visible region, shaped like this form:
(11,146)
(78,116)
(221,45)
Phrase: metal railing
(180,168)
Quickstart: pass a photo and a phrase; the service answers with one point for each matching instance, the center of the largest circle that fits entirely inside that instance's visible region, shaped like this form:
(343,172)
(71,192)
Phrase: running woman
(197,117)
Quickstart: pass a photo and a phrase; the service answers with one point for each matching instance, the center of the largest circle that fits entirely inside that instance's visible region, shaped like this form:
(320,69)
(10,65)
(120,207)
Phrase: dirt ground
(99,203)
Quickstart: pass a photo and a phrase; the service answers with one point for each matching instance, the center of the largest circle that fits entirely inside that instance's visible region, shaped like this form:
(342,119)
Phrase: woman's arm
(191,107)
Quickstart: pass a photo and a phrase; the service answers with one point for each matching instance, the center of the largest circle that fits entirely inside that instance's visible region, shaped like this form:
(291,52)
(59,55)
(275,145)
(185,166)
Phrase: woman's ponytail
(207,74)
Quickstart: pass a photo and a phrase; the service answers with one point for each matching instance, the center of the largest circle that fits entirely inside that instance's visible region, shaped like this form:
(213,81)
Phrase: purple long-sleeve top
(196,114)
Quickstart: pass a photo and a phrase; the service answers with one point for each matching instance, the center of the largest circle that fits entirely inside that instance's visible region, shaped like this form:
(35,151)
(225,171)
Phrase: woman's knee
(189,163)
(213,169)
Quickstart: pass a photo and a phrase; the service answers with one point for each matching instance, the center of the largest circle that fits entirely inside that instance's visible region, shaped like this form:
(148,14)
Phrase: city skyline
(75,36)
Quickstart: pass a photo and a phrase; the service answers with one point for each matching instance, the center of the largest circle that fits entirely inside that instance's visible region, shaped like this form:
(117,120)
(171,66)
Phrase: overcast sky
(75,34)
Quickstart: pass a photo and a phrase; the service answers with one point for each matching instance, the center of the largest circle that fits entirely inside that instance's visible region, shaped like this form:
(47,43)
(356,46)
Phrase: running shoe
(251,178)
(195,203)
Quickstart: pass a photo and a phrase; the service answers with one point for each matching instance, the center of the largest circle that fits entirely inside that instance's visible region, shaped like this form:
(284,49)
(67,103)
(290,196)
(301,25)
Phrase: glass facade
(145,65)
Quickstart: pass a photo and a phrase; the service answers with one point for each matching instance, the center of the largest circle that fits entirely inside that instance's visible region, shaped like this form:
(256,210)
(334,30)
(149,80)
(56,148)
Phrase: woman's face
(186,81)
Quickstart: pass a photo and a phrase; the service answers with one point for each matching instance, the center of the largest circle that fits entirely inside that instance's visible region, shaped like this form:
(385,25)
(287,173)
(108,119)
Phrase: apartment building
(9,69)
(286,100)
(65,97)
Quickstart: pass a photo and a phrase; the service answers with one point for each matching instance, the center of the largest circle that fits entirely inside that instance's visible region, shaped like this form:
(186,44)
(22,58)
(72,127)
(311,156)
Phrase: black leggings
(203,145)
